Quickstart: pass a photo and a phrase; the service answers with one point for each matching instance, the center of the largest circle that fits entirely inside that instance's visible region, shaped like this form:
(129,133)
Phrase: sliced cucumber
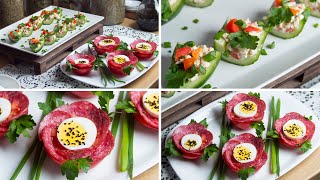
(48,20)
(220,45)
(290,35)
(37,47)
(313,13)
(199,3)
(167,94)
(203,78)
(243,62)
(170,9)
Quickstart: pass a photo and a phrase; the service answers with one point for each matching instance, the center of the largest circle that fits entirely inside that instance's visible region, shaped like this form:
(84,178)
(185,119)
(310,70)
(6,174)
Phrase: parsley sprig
(71,168)
(20,126)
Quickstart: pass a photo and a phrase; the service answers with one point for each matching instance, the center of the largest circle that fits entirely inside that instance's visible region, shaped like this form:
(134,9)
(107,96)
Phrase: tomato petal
(232,27)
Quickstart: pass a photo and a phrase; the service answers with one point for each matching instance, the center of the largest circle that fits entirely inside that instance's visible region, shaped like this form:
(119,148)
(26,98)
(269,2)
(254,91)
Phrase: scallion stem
(41,161)
(124,143)
(131,136)
(116,120)
(35,161)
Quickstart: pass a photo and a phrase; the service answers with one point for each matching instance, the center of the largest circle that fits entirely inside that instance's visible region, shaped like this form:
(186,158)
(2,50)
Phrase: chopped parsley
(22,45)
(184,28)
(272,45)
(3,40)
(207,86)
(195,21)
(169,51)
(244,40)
(264,52)
(166,44)
(316,25)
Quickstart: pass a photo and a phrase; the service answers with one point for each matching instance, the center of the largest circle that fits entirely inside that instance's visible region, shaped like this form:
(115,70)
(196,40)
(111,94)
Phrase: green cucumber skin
(37,49)
(44,22)
(244,62)
(199,5)
(27,35)
(168,95)
(51,42)
(203,78)
(291,35)
(59,35)
(176,8)
(312,12)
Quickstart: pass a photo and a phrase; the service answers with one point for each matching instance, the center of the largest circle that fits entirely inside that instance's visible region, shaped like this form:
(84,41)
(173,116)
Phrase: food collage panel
(159,89)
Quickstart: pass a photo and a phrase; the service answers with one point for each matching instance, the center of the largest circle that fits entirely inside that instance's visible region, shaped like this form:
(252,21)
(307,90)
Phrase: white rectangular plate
(144,158)
(286,56)
(93,19)
(177,98)
(289,158)
(94,78)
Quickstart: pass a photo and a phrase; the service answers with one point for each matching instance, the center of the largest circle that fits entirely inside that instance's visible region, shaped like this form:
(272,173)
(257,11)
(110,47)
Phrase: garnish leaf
(209,151)
(259,126)
(69,67)
(170,149)
(273,134)
(207,86)
(20,126)
(224,104)
(228,136)
(71,168)
(195,21)
(210,56)
(306,146)
(308,118)
(104,99)
(254,94)
(244,40)
(264,52)
(202,122)
(122,46)
(166,45)
(54,101)
(272,45)
(156,53)
(244,173)
(127,69)
(127,106)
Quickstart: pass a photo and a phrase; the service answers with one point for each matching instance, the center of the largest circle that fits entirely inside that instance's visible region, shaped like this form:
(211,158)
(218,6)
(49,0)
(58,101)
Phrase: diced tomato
(44,32)
(232,27)
(188,63)
(74,21)
(252,28)
(34,40)
(294,11)
(278,2)
(182,52)
(28,24)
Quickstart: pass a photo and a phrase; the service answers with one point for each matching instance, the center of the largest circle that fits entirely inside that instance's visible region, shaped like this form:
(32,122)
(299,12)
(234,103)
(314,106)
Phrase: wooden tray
(42,64)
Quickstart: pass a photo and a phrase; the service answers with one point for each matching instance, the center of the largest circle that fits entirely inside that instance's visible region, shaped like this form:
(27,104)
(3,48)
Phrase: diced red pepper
(232,27)
(252,28)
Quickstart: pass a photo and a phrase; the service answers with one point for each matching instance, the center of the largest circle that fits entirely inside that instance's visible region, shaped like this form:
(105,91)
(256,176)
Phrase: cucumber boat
(36,44)
(170,9)
(36,22)
(286,19)
(48,17)
(71,23)
(26,29)
(314,6)
(81,19)
(15,35)
(60,30)
(49,37)
(191,65)
(240,41)
(199,3)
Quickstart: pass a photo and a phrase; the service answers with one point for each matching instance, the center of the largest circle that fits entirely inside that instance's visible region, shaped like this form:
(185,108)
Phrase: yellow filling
(152,101)
(119,59)
(72,134)
(242,153)
(190,143)
(144,46)
(248,107)
(107,42)
(293,130)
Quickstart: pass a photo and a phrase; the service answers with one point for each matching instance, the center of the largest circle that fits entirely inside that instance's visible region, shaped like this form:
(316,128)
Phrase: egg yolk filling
(72,134)
(293,130)
(245,152)
(120,59)
(144,46)
(107,42)
(152,101)
(190,144)
(248,107)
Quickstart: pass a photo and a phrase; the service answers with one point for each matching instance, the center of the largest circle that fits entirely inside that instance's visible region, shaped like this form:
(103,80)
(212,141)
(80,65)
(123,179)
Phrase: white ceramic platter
(289,158)
(286,56)
(7,82)
(144,158)
(23,44)
(94,78)
(178,97)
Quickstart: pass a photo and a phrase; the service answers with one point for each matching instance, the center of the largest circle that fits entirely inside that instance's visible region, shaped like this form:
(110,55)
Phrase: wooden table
(307,169)
(149,80)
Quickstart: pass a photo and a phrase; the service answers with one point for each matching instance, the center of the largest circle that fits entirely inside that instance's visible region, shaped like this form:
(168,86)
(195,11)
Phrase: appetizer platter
(111,61)
(247,45)
(46,30)
(79,134)
(253,135)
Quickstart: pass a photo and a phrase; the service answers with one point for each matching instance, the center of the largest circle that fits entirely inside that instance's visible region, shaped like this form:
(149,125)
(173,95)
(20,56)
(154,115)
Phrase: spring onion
(130,151)
(124,151)
(116,120)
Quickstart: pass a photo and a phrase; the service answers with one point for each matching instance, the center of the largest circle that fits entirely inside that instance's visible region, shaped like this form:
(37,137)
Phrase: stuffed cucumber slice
(286,19)
(60,30)
(49,37)
(71,23)
(191,65)
(314,6)
(15,35)
(81,19)
(199,3)
(240,41)
(167,94)
(48,17)
(170,9)
(57,12)
(36,22)
(36,44)
(26,29)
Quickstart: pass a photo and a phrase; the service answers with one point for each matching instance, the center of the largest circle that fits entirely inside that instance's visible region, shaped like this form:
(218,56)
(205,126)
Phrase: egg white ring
(238,113)
(121,56)
(146,107)
(146,44)
(5,106)
(252,149)
(89,127)
(194,137)
(77,61)
(299,123)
